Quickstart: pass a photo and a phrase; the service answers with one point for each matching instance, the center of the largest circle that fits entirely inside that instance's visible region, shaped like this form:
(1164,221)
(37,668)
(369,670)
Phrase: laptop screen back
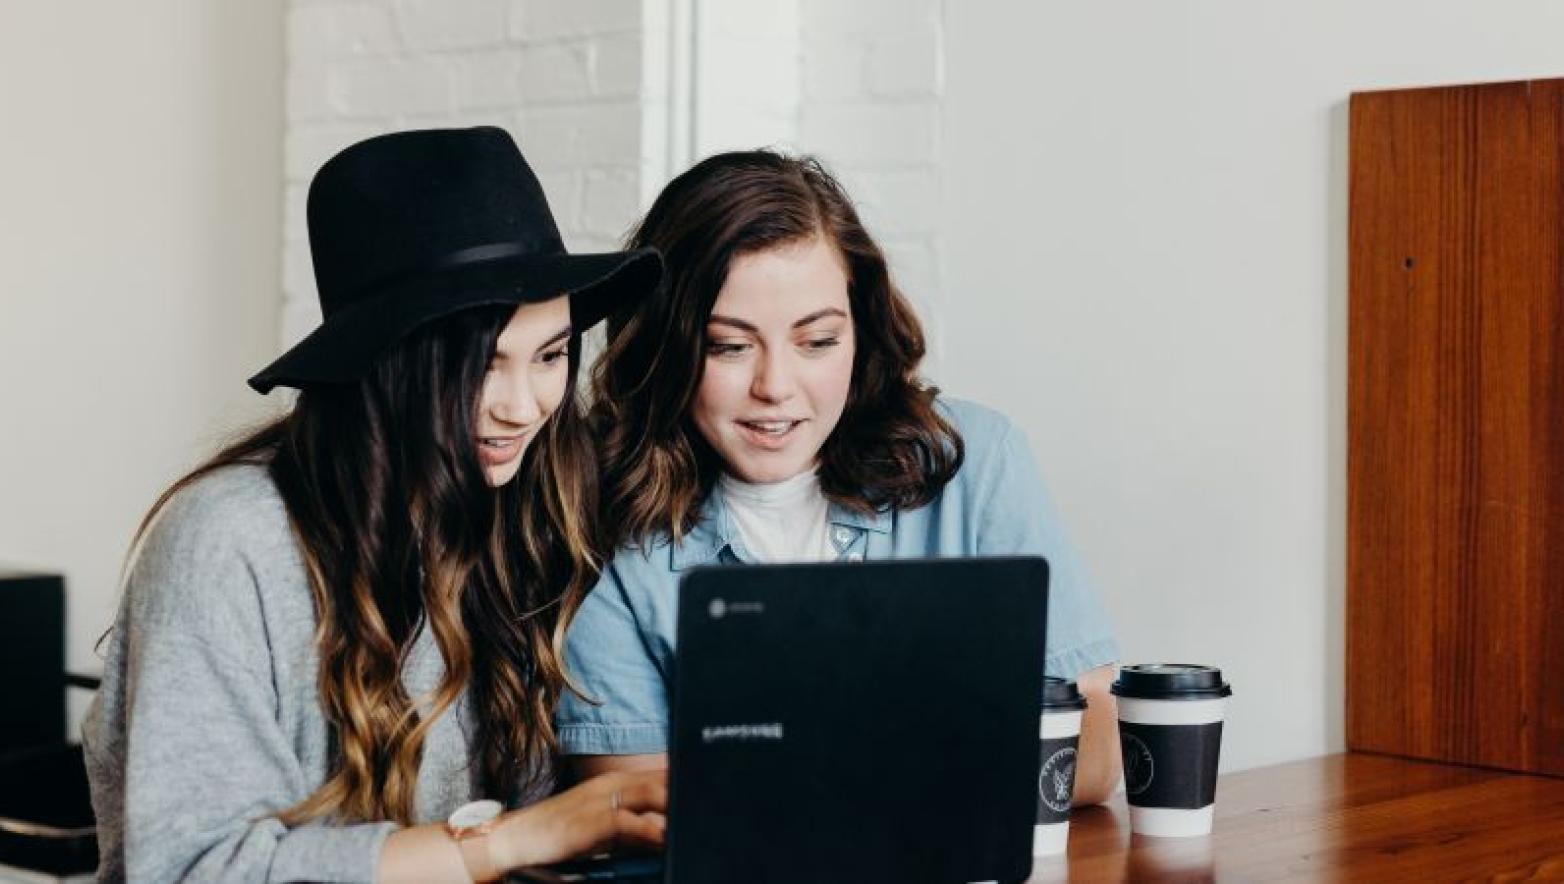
(865,722)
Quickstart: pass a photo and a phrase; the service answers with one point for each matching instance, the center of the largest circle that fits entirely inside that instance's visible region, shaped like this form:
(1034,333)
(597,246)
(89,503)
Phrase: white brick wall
(436,25)
(564,76)
(610,98)
(547,20)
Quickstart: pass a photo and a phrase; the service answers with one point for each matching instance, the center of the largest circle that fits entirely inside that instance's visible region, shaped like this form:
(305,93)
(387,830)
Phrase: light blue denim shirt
(620,647)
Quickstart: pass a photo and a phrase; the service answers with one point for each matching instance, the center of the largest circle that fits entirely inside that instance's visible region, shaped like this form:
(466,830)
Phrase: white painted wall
(746,74)
(140,191)
(857,84)
(873,89)
(1144,262)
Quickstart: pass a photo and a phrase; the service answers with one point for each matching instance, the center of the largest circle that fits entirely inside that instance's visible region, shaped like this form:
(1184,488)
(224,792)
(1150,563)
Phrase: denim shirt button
(843,535)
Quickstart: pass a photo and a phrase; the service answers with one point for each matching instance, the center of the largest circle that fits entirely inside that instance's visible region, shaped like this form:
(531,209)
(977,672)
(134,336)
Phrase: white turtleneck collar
(780,521)
(772,494)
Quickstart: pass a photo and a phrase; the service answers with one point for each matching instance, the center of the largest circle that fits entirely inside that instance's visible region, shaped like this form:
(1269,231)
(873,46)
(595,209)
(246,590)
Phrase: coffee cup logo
(1138,766)
(1056,783)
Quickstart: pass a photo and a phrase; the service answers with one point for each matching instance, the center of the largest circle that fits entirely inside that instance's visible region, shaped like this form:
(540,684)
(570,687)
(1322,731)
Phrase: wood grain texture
(1455,470)
(1354,817)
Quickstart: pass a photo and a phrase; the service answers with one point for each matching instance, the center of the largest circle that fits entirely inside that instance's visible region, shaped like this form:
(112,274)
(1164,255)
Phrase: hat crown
(401,205)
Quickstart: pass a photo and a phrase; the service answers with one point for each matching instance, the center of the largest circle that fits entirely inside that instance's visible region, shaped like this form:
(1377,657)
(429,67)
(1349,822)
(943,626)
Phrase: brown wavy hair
(891,448)
(399,530)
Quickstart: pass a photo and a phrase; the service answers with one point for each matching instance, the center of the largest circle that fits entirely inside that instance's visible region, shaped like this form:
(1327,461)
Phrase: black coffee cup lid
(1171,681)
(1061,695)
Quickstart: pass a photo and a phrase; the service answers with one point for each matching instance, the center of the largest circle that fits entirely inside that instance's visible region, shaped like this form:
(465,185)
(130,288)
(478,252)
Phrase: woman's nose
(773,381)
(514,400)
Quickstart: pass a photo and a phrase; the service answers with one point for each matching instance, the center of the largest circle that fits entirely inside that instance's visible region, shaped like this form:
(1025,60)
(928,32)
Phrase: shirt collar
(878,521)
(713,531)
(705,541)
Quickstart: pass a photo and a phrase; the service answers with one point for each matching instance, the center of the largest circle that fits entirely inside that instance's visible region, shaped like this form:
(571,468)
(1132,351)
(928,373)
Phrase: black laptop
(852,722)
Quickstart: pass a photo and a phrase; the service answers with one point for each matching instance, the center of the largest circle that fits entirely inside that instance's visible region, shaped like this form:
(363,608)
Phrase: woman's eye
(819,344)
(554,356)
(719,348)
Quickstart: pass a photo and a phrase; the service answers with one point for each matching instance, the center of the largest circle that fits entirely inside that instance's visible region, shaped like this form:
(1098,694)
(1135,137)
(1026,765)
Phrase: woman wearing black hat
(344,630)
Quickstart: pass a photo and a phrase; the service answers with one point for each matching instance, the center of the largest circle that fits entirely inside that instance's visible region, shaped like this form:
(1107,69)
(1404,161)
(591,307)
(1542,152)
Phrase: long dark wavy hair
(891,448)
(399,530)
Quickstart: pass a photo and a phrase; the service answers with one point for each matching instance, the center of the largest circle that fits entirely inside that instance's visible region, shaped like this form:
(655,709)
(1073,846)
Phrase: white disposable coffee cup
(1059,735)
(1170,731)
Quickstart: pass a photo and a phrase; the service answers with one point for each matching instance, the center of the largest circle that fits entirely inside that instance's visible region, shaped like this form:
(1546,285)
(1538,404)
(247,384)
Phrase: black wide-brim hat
(413,226)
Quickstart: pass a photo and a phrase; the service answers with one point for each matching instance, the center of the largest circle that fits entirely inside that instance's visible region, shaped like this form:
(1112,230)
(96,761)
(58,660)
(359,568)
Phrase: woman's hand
(623,808)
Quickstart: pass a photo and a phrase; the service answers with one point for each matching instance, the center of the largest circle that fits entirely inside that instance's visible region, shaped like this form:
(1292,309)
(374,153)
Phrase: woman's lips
(768,435)
(495,451)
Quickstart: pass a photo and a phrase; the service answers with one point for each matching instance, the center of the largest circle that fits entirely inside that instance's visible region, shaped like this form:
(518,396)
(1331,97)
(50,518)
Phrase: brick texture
(562,75)
(584,86)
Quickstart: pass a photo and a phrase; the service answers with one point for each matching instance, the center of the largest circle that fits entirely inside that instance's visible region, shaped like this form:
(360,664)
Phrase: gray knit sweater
(208,722)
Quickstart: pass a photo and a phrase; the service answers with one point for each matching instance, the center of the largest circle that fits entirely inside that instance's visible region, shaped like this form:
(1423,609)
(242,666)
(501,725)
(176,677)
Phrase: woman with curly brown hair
(765,406)
(340,645)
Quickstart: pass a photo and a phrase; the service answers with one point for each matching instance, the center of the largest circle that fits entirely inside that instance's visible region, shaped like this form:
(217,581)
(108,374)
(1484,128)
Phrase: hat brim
(348,343)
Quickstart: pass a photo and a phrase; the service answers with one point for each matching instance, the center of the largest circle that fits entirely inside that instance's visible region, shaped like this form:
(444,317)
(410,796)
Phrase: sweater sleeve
(189,764)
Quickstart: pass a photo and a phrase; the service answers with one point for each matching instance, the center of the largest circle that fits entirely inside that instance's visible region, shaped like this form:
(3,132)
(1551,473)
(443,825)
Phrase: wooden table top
(1352,817)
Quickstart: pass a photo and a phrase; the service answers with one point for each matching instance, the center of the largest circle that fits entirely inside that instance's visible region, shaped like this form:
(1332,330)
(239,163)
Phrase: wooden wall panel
(1455,472)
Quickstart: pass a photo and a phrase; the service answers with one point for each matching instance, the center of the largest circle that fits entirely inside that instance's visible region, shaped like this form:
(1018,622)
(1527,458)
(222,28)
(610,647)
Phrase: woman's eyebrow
(728,320)
(819,315)
(740,324)
(558,336)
